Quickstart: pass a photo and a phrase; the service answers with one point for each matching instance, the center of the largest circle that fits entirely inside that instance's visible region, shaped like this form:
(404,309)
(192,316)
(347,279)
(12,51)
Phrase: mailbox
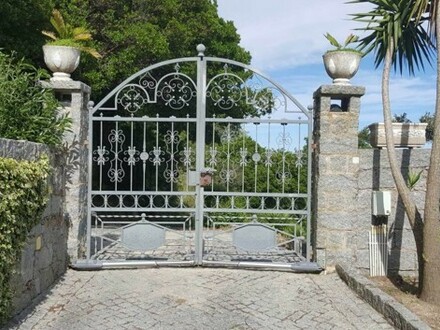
(381,203)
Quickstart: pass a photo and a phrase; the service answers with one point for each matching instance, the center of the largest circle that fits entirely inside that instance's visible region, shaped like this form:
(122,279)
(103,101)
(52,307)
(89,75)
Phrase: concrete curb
(395,313)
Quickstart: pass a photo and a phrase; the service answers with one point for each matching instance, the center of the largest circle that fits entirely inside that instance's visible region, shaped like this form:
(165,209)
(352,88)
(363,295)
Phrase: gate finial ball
(201,50)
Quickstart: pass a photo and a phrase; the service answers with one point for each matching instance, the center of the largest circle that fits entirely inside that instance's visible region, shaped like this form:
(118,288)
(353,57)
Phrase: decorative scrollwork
(132,153)
(226,90)
(227,175)
(212,157)
(156,154)
(132,98)
(101,152)
(187,156)
(284,140)
(243,157)
(148,81)
(268,159)
(172,141)
(177,91)
(269,99)
(116,139)
(299,156)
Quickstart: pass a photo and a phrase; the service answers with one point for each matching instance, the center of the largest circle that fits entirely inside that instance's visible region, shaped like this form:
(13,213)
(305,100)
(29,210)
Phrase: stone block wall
(375,174)
(343,181)
(44,258)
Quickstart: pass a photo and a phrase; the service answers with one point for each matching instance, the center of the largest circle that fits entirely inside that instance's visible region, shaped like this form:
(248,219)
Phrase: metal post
(199,225)
(200,150)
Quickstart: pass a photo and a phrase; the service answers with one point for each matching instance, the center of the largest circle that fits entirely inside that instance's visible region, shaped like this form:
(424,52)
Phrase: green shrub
(27,110)
(23,194)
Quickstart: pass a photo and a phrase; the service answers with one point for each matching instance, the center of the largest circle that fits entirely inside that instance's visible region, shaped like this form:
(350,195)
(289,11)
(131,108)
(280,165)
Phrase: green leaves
(135,34)
(351,38)
(28,111)
(69,36)
(23,196)
(395,23)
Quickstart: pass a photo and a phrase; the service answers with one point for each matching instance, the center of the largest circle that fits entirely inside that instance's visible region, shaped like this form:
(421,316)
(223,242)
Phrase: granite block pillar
(335,171)
(74,97)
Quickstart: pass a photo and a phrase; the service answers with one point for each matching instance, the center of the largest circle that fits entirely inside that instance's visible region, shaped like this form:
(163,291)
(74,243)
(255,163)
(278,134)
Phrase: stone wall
(343,180)
(375,174)
(44,258)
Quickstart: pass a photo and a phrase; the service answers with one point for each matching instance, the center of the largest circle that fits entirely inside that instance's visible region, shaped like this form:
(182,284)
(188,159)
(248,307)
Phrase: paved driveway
(199,298)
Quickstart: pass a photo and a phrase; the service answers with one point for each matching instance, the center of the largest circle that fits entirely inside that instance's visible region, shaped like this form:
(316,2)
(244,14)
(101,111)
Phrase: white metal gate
(156,134)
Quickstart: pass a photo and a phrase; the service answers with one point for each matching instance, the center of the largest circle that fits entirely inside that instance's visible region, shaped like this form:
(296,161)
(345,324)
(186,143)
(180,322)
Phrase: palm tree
(398,36)
(67,35)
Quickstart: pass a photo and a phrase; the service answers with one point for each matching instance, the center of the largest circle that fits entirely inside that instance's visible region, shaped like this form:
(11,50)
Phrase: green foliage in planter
(23,195)
(351,39)
(27,110)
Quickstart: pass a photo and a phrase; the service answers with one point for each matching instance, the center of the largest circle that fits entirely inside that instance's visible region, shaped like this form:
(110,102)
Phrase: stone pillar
(335,167)
(74,97)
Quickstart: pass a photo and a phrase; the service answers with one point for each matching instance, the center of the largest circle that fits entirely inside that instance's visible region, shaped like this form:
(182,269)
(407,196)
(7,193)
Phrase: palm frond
(394,21)
(50,35)
(91,51)
(57,22)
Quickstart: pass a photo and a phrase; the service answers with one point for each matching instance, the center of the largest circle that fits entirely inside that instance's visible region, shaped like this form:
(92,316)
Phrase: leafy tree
(401,118)
(134,34)
(27,110)
(364,138)
(21,25)
(429,119)
(399,37)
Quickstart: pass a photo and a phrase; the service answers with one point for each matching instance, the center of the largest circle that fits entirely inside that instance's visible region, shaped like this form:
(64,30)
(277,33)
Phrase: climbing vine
(23,195)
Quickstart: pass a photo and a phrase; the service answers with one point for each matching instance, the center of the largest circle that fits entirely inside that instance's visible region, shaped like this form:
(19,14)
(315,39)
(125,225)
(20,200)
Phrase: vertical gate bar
(309,185)
(100,144)
(172,157)
(243,161)
(200,154)
(268,155)
(255,160)
(116,153)
(299,155)
(157,151)
(212,155)
(188,155)
(283,158)
(228,156)
(89,183)
(133,149)
(144,161)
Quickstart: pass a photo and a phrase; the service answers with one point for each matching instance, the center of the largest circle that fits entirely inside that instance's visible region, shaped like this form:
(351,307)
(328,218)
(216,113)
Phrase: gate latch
(206,176)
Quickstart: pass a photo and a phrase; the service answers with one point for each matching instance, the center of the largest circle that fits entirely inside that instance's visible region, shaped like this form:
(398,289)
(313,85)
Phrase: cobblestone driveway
(199,298)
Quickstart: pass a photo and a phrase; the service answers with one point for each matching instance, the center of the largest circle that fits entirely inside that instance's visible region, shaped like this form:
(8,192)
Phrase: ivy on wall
(24,193)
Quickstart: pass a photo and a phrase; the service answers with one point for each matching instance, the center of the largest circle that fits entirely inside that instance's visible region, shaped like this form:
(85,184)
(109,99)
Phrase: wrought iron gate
(154,137)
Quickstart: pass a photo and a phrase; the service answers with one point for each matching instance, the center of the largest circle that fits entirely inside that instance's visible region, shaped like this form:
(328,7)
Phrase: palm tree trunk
(411,210)
(431,288)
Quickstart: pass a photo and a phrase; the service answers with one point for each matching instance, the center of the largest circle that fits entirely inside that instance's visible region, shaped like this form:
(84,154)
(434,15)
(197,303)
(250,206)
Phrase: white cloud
(285,38)
(286,33)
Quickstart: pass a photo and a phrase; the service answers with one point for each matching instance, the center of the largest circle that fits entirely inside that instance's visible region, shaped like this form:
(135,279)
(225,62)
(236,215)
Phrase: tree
(428,119)
(134,34)
(27,110)
(398,37)
(364,138)
(401,118)
(21,25)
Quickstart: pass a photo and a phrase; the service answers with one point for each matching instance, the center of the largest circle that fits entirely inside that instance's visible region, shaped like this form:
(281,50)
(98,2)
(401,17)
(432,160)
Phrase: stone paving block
(197,298)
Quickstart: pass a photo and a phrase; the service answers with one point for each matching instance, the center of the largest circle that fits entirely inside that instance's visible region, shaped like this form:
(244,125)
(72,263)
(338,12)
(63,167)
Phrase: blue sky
(285,38)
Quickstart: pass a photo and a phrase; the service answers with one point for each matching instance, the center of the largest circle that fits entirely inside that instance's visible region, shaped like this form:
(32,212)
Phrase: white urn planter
(405,135)
(341,65)
(61,60)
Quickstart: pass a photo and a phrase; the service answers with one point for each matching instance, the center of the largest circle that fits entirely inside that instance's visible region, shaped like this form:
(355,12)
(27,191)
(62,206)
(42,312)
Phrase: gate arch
(159,131)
